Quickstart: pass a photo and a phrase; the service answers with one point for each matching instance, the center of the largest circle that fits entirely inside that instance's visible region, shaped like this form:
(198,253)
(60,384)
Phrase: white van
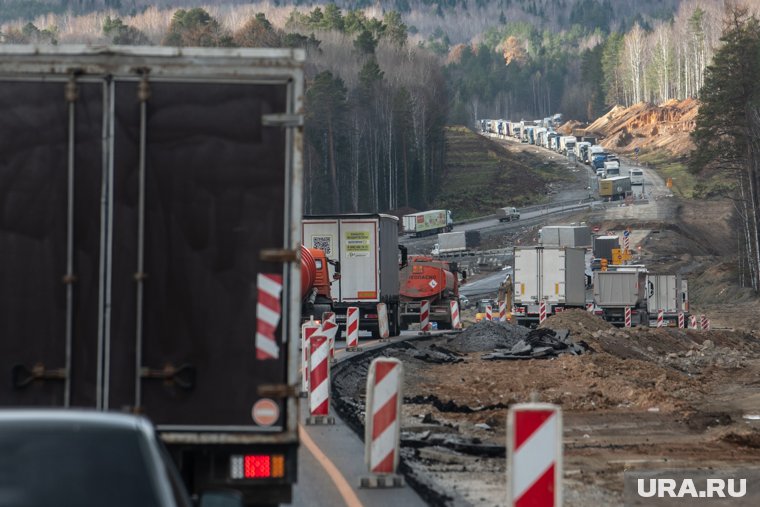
(637,177)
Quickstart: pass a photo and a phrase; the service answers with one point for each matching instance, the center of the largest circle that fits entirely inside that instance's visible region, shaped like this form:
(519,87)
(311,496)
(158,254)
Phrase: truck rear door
(147,234)
(553,276)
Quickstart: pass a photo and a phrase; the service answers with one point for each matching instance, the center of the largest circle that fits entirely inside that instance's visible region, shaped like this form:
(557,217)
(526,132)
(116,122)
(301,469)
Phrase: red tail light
(559,309)
(598,312)
(257,466)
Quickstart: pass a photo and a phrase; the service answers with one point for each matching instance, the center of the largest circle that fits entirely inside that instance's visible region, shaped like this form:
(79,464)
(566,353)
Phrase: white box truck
(668,293)
(427,223)
(551,274)
(365,246)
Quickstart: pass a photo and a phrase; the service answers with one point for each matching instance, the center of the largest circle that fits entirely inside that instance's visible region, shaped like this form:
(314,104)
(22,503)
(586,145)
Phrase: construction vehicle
(427,223)
(363,251)
(552,275)
(426,278)
(150,240)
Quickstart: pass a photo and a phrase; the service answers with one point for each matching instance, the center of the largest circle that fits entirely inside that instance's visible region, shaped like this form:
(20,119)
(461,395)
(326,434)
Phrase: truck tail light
(519,309)
(558,309)
(371,316)
(257,466)
(598,312)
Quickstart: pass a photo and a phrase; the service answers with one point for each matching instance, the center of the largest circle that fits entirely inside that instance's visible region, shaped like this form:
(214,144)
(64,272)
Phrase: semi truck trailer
(149,247)
(427,223)
(614,291)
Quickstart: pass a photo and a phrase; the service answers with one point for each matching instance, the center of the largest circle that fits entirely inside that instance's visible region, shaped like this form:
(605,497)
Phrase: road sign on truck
(162,186)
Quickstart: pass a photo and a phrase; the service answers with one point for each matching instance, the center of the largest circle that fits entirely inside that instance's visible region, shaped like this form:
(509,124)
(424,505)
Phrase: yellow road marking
(341,484)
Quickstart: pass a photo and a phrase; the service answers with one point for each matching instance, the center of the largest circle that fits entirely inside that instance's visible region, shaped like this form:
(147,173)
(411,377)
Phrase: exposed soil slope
(648,127)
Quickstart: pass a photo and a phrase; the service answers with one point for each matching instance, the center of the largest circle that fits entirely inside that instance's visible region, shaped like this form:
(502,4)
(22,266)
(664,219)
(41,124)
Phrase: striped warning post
(319,379)
(502,311)
(589,307)
(456,323)
(307,330)
(541,311)
(382,321)
(352,328)
(626,243)
(384,397)
(703,322)
(268,309)
(330,317)
(627,316)
(489,312)
(681,320)
(424,316)
(534,455)
(693,322)
(660,318)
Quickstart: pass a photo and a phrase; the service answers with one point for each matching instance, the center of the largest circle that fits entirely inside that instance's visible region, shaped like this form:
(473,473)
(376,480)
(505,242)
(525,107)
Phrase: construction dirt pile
(648,127)
(685,394)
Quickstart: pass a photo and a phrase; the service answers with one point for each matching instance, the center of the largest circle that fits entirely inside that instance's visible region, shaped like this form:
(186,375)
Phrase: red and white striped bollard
(693,322)
(319,380)
(489,312)
(383,424)
(589,307)
(541,312)
(681,320)
(534,455)
(307,330)
(456,323)
(627,316)
(660,318)
(703,322)
(382,322)
(424,316)
(502,311)
(352,328)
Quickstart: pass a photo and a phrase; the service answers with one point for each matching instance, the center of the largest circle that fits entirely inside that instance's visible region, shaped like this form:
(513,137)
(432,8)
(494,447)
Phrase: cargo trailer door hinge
(182,376)
(277,391)
(282,120)
(279,255)
(21,376)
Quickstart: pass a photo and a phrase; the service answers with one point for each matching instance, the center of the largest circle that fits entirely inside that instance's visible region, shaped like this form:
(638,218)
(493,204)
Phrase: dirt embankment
(646,126)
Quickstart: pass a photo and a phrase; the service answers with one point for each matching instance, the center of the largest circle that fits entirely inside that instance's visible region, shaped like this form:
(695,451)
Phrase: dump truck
(669,293)
(565,235)
(618,289)
(436,281)
(427,223)
(452,243)
(614,188)
(364,252)
(553,275)
(149,244)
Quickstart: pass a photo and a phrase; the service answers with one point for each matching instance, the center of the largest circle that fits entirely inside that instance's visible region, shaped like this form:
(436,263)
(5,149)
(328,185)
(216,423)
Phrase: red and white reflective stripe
(352,327)
(660,318)
(319,375)
(681,320)
(424,315)
(503,311)
(456,323)
(626,243)
(589,307)
(329,329)
(627,316)
(534,454)
(489,312)
(382,320)
(268,309)
(541,311)
(703,322)
(693,322)
(384,382)
(307,330)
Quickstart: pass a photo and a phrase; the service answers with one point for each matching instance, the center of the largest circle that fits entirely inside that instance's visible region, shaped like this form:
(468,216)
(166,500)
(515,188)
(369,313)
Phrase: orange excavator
(427,278)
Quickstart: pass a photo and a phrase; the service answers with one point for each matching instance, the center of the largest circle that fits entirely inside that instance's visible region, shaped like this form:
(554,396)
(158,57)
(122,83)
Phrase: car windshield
(74,466)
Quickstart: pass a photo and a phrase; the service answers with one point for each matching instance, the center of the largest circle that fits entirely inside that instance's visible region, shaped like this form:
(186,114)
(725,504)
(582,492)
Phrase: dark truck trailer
(149,196)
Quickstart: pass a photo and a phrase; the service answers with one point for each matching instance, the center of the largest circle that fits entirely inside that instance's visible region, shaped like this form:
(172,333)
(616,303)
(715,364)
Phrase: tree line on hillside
(519,70)
(727,135)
